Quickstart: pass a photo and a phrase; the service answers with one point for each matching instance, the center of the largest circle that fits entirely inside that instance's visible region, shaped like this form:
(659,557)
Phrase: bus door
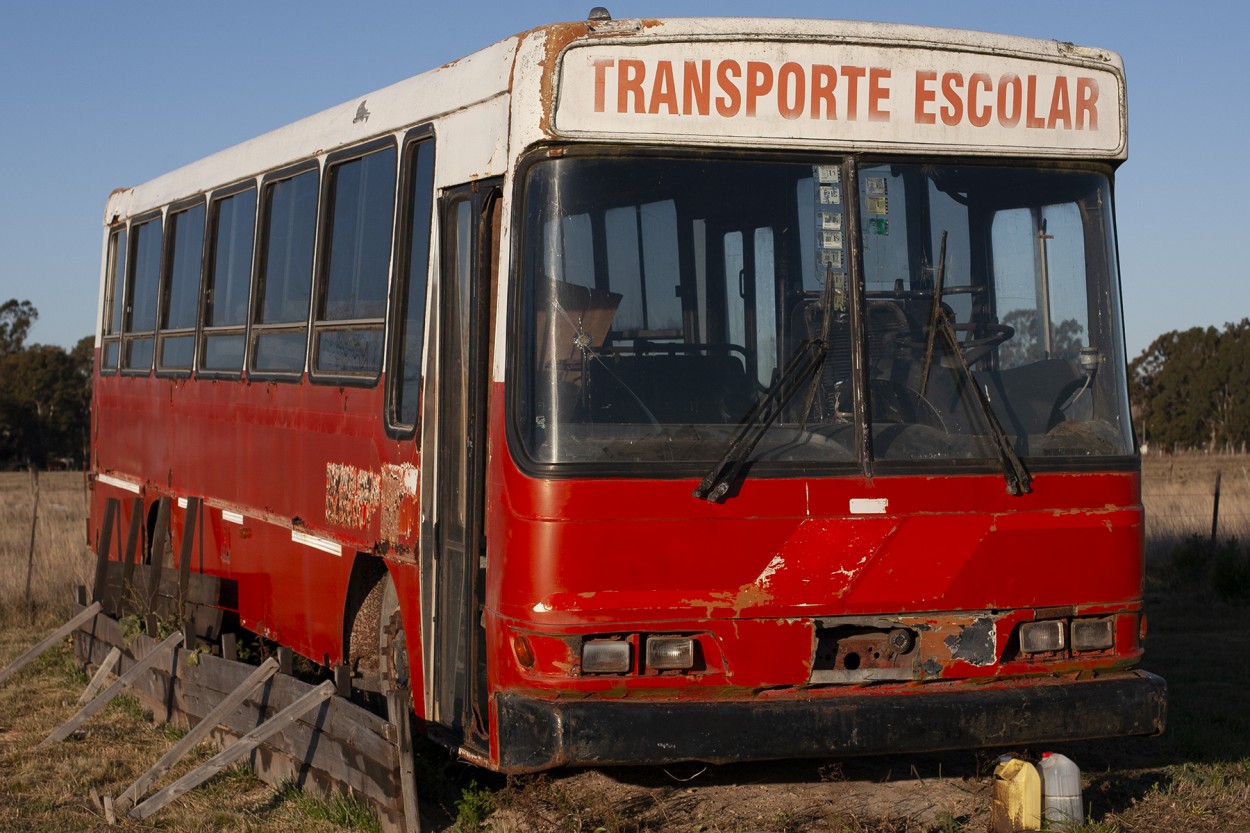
(454,570)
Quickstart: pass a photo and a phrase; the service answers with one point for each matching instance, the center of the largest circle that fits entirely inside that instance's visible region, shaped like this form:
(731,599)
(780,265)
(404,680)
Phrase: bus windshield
(662,299)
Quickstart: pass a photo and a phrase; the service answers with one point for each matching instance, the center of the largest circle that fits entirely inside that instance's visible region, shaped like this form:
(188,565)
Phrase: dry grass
(51,789)
(61,559)
(1179,494)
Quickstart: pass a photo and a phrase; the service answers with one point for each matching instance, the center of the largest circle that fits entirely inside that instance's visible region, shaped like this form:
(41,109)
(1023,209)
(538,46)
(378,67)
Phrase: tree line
(1190,390)
(45,395)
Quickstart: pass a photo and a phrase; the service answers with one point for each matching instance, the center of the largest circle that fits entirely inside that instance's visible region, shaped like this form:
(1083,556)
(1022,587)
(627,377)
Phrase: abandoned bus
(755,385)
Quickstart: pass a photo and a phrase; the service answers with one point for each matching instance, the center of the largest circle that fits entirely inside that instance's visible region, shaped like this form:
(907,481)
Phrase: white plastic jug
(1017,800)
(1061,791)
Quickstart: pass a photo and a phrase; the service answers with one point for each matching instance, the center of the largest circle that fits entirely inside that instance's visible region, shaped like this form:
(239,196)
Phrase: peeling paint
(975,643)
(542,607)
(773,566)
(399,502)
(352,495)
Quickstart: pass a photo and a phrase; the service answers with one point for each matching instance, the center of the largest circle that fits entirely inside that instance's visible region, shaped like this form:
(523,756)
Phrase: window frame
(321,265)
(400,289)
(256,328)
(163,296)
(114,296)
(129,336)
(205,332)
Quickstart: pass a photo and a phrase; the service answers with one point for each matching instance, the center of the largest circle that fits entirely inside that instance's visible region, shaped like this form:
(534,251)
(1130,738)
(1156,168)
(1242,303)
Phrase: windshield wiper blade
(803,365)
(802,368)
(1019,482)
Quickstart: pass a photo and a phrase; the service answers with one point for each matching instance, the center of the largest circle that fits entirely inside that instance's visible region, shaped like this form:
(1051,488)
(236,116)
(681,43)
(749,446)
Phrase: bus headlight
(1042,637)
(1092,634)
(605,656)
(670,653)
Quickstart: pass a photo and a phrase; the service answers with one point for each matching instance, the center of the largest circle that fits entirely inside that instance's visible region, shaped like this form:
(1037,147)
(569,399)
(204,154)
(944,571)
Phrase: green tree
(45,393)
(15,320)
(1191,388)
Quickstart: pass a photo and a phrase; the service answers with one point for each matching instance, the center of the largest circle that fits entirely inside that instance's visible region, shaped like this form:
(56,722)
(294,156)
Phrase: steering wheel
(992,335)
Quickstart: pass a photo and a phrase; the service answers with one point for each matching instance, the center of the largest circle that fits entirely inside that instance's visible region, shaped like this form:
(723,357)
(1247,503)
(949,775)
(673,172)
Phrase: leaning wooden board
(338,747)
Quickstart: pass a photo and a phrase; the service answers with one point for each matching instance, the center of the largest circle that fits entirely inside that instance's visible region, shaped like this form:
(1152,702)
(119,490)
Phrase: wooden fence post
(34,525)
(1215,509)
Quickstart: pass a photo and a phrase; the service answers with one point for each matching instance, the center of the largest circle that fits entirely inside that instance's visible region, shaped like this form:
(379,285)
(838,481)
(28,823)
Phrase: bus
(640,391)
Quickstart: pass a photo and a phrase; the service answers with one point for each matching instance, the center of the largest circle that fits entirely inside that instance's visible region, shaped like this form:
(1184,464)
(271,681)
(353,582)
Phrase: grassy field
(1194,778)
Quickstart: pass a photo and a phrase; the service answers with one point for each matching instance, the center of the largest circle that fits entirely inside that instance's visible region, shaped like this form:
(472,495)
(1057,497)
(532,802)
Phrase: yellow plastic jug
(1017,800)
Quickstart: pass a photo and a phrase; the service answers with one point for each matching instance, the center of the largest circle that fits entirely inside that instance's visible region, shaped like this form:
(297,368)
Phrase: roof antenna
(599,14)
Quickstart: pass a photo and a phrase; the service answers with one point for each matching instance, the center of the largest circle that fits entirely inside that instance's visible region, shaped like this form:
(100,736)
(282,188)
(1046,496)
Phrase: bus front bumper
(537,734)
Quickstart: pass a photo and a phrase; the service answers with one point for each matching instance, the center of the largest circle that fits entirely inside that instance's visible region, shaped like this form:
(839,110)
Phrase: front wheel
(393,667)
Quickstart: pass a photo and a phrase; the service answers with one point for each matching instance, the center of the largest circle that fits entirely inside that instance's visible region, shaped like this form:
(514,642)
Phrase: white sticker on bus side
(118,482)
(332,547)
(868,506)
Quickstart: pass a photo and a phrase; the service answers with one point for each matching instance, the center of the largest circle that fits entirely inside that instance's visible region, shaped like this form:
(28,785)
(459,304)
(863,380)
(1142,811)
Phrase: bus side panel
(292,476)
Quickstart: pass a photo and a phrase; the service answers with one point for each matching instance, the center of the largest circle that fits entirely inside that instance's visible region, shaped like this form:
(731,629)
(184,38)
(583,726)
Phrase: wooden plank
(266,670)
(190,527)
(235,751)
(346,721)
(350,760)
(111,507)
(397,700)
(128,597)
(338,747)
(101,674)
(49,640)
(115,688)
(156,563)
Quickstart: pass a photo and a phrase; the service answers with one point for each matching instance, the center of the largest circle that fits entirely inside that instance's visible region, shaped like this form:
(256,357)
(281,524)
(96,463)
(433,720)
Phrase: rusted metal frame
(236,750)
(227,705)
(105,697)
(49,640)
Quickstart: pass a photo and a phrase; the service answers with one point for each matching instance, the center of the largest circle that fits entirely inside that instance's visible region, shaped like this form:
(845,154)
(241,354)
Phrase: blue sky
(101,95)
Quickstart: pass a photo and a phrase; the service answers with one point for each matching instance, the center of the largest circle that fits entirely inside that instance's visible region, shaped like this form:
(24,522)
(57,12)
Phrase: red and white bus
(691,389)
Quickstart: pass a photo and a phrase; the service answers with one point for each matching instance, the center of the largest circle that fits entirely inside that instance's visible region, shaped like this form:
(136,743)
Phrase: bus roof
(843,85)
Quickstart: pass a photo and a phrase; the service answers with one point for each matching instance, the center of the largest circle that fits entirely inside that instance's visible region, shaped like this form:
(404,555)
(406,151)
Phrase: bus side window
(142,280)
(412,269)
(180,289)
(351,286)
(227,278)
(283,281)
(110,344)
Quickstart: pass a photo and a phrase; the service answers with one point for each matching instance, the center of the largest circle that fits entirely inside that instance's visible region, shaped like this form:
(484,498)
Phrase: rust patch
(352,495)
(399,502)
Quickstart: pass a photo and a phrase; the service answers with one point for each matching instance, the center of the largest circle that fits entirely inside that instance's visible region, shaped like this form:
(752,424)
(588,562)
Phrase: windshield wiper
(1019,482)
(802,368)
